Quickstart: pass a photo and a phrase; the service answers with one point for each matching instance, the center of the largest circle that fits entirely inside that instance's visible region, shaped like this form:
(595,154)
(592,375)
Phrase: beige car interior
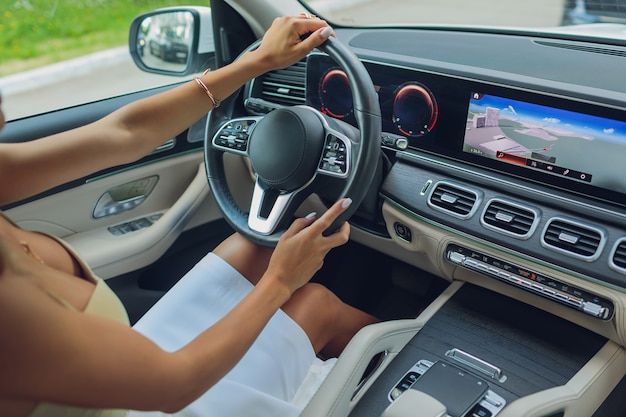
(172,195)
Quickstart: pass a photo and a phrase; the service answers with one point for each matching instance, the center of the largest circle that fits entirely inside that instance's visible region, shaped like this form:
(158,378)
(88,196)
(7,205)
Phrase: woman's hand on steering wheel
(302,248)
(284,44)
(309,150)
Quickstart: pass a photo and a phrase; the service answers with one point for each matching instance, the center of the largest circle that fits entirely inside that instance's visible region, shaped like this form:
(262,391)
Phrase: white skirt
(276,377)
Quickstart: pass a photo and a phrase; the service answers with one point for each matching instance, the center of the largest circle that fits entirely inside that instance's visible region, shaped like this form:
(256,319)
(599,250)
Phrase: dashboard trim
(519,256)
(411,156)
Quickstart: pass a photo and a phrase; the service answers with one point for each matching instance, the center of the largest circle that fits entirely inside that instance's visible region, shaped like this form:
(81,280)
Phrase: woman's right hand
(291,38)
(302,248)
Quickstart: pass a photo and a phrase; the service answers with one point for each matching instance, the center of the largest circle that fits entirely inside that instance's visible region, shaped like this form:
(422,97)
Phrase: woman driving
(67,346)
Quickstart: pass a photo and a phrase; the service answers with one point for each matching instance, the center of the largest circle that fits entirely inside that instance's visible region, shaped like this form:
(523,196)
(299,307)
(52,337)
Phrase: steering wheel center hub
(285,147)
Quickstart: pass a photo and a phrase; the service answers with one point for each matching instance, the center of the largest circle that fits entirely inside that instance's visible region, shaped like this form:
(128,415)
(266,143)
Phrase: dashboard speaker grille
(585,48)
(572,238)
(453,199)
(509,218)
(285,86)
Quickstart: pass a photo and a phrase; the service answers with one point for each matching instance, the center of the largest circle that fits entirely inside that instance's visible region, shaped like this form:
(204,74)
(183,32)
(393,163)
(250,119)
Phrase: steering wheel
(298,151)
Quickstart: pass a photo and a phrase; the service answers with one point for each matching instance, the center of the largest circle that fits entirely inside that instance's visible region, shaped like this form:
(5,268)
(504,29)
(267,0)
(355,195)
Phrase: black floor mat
(369,280)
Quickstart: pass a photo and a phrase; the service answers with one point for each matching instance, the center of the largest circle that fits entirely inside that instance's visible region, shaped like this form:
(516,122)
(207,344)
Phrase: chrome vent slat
(454,200)
(510,218)
(285,86)
(573,238)
(283,97)
(520,222)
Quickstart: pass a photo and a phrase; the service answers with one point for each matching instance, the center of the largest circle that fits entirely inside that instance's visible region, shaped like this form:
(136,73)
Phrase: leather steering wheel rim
(363,164)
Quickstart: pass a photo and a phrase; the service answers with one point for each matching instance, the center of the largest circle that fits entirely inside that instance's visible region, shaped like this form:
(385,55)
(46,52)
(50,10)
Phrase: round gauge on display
(415,109)
(336,94)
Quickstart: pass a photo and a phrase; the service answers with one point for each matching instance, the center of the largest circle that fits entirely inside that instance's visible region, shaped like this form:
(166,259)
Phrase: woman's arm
(138,128)
(54,354)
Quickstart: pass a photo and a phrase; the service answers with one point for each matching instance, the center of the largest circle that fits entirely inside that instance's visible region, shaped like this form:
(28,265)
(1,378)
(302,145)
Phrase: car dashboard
(505,171)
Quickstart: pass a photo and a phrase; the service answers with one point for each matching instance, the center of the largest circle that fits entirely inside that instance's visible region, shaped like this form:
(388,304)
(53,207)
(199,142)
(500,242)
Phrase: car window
(597,18)
(58,54)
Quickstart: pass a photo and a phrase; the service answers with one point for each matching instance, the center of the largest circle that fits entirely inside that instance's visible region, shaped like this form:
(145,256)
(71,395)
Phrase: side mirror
(173,41)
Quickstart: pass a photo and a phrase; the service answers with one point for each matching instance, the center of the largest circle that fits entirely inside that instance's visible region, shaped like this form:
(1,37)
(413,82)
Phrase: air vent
(284,86)
(454,199)
(618,259)
(510,218)
(573,238)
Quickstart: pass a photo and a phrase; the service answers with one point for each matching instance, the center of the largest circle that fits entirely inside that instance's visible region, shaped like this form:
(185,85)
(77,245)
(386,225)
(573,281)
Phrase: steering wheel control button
(335,157)
(234,135)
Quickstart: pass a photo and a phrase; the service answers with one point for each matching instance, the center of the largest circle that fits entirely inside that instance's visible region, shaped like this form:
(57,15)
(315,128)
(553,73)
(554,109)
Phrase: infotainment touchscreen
(581,147)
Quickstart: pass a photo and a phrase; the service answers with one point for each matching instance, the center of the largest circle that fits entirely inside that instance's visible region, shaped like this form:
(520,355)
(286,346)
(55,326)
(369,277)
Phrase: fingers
(332,213)
(325,221)
(300,224)
(319,37)
(301,249)
(290,38)
(318,226)
(313,31)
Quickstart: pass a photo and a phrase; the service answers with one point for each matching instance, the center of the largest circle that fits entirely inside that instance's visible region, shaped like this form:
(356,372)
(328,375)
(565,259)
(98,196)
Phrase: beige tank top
(103,303)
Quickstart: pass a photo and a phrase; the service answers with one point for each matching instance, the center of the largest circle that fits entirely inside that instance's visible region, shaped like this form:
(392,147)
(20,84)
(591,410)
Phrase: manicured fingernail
(346,203)
(326,32)
(311,215)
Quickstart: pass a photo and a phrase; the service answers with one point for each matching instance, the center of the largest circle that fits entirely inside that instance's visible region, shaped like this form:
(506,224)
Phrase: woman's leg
(248,258)
(329,322)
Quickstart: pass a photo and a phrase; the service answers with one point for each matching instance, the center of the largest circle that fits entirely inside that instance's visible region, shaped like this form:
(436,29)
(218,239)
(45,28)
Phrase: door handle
(124,197)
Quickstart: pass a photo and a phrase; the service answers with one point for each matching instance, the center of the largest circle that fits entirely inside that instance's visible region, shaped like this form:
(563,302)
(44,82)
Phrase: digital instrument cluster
(567,144)
(408,107)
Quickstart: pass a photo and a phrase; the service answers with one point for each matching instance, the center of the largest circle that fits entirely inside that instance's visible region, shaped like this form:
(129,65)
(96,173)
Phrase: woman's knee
(247,257)
(315,309)
(314,298)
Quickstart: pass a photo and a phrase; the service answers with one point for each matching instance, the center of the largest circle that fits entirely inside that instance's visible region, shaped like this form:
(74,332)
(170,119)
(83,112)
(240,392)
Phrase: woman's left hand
(302,248)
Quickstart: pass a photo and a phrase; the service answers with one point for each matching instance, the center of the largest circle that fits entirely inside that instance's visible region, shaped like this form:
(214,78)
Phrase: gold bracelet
(216,103)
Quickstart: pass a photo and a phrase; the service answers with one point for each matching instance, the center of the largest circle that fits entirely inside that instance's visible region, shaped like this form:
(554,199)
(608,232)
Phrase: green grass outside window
(34,33)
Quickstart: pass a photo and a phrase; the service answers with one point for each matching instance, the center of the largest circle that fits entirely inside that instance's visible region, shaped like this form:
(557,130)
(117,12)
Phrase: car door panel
(180,190)
(179,198)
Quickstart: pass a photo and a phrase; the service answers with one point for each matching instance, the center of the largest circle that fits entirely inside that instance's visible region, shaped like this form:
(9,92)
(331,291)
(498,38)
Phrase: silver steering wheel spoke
(268,208)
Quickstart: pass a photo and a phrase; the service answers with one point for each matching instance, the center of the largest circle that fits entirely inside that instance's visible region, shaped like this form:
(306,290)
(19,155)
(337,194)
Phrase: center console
(480,352)
(463,393)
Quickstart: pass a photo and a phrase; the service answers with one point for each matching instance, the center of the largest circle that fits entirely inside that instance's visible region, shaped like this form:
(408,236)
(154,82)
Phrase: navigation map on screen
(578,146)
